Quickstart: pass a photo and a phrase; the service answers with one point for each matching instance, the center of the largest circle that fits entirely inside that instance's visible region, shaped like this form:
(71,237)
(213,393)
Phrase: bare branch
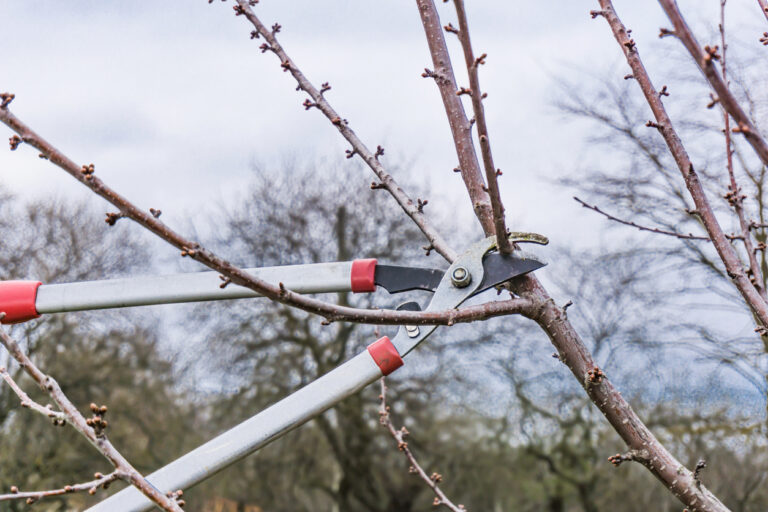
(734,196)
(91,487)
(415,467)
(724,249)
(359,148)
(94,434)
(705,59)
(683,236)
(59,418)
(461,128)
(482,128)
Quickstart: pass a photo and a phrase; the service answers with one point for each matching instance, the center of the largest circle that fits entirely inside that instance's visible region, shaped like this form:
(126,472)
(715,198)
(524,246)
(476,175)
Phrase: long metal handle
(249,436)
(199,286)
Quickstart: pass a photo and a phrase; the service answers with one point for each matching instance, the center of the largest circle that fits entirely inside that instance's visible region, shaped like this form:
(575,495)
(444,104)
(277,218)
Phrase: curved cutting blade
(503,267)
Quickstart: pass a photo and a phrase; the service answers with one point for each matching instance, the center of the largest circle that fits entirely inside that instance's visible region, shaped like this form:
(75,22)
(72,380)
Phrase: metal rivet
(412,330)
(460,277)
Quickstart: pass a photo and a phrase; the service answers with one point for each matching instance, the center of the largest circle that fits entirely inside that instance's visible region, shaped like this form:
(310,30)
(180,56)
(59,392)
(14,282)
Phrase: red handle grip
(362,275)
(385,355)
(17,301)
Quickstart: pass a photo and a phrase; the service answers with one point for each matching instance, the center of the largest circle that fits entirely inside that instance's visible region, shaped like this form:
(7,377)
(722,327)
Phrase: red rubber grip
(17,301)
(385,355)
(362,275)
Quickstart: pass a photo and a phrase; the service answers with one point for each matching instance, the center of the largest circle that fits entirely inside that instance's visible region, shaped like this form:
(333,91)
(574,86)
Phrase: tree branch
(705,59)
(734,196)
(94,433)
(402,445)
(491,173)
(59,418)
(683,236)
(724,249)
(358,147)
(91,487)
(461,128)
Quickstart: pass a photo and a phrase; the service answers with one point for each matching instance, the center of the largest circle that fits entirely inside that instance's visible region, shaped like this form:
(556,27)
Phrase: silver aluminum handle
(199,286)
(247,437)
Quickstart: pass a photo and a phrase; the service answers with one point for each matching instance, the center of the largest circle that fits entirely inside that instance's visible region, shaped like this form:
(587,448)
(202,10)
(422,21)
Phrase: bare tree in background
(528,296)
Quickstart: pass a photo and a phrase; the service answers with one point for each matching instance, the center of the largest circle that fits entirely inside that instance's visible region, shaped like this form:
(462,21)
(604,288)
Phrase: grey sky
(173,102)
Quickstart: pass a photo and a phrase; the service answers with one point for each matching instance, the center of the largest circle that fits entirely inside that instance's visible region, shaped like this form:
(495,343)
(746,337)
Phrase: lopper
(476,270)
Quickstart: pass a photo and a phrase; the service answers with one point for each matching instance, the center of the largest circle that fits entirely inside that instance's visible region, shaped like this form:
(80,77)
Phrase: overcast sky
(173,102)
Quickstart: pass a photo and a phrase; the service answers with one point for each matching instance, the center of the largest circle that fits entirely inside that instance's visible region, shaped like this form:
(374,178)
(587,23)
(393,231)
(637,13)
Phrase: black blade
(402,279)
(503,267)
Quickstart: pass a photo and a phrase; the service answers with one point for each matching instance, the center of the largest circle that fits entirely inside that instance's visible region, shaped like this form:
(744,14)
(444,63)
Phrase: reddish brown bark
(461,128)
(491,173)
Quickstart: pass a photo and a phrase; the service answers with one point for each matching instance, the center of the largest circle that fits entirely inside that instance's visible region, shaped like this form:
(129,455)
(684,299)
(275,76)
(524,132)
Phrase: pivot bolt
(460,277)
(412,330)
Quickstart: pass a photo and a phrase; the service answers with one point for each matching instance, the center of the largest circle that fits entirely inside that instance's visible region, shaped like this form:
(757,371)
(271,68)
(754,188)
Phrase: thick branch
(402,445)
(477,96)
(724,249)
(94,435)
(358,147)
(705,59)
(574,353)
(457,118)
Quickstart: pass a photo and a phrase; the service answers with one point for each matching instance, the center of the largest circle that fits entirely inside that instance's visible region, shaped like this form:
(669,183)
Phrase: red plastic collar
(17,301)
(362,275)
(385,355)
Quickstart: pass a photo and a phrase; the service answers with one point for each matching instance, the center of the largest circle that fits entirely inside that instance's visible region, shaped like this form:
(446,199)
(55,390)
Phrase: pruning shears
(476,270)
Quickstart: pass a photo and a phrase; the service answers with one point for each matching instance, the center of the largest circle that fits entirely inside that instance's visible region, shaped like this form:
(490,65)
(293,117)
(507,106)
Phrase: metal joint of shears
(476,270)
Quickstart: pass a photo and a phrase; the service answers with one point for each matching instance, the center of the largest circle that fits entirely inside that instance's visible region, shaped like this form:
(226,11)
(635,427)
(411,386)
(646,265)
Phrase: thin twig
(358,147)
(734,196)
(477,96)
(705,59)
(720,241)
(27,402)
(402,445)
(675,234)
(89,487)
(94,434)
